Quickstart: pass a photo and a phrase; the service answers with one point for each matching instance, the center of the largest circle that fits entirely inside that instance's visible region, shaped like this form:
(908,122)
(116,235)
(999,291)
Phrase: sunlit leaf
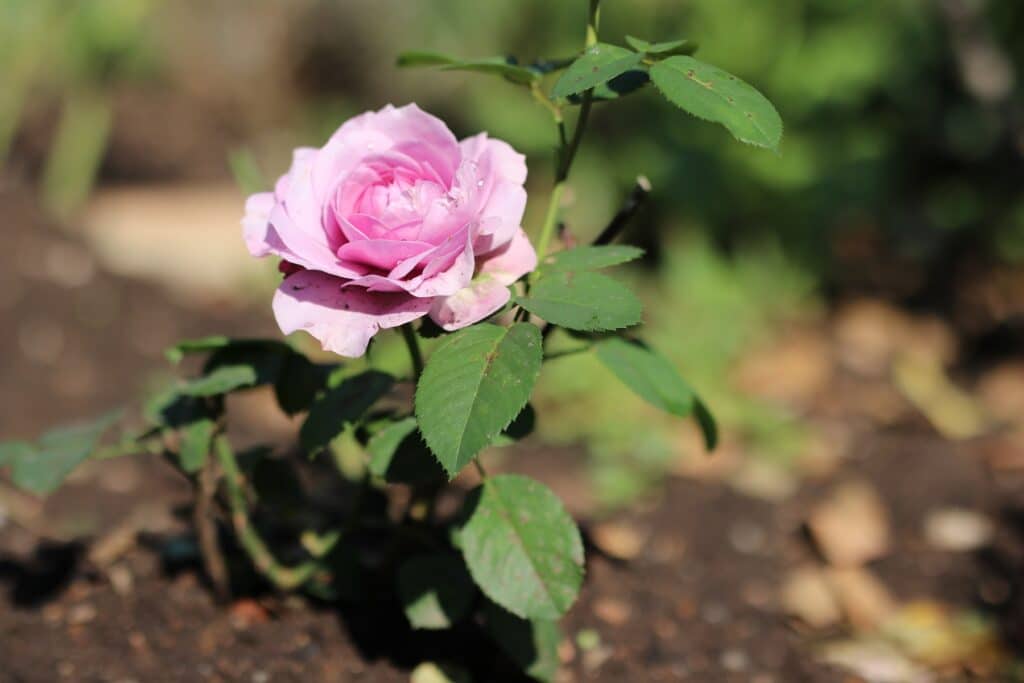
(582,301)
(499,66)
(522,548)
(398,454)
(474,385)
(591,258)
(223,380)
(436,590)
(196,439)
(596,66)
(714,95)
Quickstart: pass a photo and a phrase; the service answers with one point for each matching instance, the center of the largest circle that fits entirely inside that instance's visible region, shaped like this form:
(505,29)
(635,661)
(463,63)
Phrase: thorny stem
(285,578)
(413,344)
(568,148)
(480,468)
(206,531)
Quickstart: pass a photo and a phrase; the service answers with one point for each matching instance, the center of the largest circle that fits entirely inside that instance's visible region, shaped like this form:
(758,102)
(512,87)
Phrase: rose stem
(413,344)
(567,152)
(285,578)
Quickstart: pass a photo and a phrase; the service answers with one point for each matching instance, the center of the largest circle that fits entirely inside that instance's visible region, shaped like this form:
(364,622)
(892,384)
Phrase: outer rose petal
(506,162)
(508,264)
(256,222)
(343,320)
(481,298)
(489,290)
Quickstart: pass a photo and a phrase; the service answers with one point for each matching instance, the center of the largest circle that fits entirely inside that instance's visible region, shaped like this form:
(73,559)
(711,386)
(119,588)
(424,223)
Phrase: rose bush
(393,219)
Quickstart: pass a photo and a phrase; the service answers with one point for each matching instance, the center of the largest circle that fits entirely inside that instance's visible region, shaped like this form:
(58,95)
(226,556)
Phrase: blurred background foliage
(900,175)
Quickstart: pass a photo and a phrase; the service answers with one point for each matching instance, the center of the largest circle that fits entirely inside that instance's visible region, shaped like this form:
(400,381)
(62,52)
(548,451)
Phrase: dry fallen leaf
(953,412)
(851,526)
(865,601)
(618,539)
(957,529)
(807,595)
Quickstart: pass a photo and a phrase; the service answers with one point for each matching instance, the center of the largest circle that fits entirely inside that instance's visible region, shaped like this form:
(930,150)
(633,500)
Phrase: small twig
(633,202)
(206,531)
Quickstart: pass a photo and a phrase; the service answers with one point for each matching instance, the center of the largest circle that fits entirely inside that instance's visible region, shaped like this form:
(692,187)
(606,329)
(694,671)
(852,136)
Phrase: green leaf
(499,66)
(172,410)
(474,385)
(436,590)
(582,301)
(398,454)
(519,429)
(531,645)
(59,452)
(177,353)
(522,547)
(707,424)
(298,382)
(196,439)
(591,258)
(223,380)
(340,406)
(652,377)
(647,373)
(12,451)
(596,66)
(663,49)
(714,95)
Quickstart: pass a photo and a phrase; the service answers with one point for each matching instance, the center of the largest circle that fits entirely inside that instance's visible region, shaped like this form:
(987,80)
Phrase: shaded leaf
(399,455)
(649,374)
(519,429)
(652,377)
(617,87)
(582,301)
(663,49)
(223,380)
(531,645)
(596,66)
(436,590)
(474,385)
(522,548)
(11,451)
(58,453)
(714,95)
(340,406)
(196,439)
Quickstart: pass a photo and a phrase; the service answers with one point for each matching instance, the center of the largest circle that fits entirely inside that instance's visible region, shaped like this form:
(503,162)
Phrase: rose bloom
(391,220)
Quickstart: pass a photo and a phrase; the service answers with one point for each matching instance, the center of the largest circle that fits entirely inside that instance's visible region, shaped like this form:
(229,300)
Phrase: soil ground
(698,604)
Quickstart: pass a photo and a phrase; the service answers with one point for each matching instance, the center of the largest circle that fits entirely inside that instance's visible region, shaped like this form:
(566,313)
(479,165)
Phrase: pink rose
(391,220)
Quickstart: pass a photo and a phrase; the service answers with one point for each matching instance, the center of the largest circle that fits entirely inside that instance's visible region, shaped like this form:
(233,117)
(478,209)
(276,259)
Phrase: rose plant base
(395,224)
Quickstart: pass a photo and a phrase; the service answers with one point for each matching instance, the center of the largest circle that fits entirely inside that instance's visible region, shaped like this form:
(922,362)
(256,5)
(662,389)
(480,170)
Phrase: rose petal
(511,262)
(502,215)
(482,298)
(256,222)
(343,320)
(509,164)
(383,254)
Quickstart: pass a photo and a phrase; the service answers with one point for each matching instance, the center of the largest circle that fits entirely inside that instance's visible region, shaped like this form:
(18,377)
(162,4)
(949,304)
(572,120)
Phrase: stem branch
(413,344)
(285,578)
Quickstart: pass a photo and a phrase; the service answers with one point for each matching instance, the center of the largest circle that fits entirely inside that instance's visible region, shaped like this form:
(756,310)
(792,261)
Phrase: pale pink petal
(343,320)
(382,254)
(503,160)
(256,223)
(511,262)
(501,215)
(482,298)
